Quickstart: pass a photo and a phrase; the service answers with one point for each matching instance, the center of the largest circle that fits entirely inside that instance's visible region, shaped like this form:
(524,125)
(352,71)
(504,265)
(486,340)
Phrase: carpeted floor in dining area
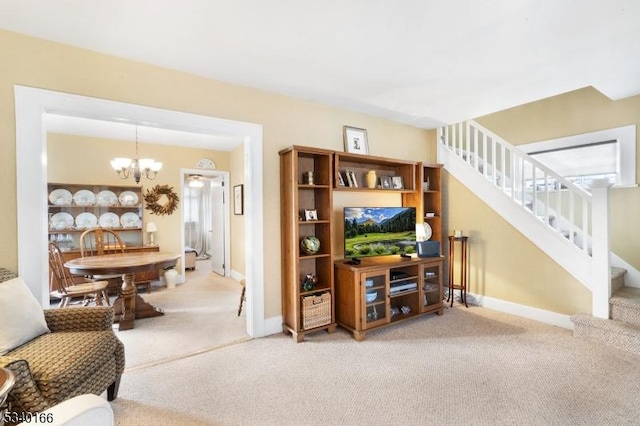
(200,314)
(468,367)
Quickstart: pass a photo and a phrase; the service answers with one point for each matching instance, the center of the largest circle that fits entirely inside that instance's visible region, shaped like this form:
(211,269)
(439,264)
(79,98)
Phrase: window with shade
(608,154)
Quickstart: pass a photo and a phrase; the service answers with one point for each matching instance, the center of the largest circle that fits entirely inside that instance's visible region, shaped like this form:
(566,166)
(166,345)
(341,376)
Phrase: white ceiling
(422,62)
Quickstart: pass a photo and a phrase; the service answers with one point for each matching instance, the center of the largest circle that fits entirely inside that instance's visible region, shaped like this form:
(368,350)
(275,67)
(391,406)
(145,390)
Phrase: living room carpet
(200,314)
(468,367)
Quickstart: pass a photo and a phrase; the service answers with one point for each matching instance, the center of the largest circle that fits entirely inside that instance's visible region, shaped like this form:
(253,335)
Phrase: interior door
(217,233)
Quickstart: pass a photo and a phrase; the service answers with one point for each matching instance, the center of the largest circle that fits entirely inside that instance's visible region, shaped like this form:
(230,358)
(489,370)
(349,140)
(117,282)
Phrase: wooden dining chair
(70,286)
(98,242)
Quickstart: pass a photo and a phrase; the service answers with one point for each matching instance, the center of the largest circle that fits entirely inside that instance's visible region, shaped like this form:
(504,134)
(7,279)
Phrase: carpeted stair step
(625,305)
(617,279)
(613,333)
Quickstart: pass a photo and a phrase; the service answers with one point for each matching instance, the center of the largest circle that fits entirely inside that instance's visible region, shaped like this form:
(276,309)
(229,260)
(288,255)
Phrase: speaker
(428,248)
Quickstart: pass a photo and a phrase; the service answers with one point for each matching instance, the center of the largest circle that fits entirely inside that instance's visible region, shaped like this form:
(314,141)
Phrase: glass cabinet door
(431,287)
(374,299)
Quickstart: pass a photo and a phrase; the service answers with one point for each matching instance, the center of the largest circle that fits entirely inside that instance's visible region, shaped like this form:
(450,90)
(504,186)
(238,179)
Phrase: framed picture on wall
(238,199)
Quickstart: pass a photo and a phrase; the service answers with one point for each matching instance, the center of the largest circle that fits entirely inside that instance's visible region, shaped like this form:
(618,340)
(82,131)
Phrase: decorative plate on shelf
(84,197)
(427,230)
(130,220)
(128,198)
(107,198)
(86,220)
(109,220)
(60,221)
(60,197)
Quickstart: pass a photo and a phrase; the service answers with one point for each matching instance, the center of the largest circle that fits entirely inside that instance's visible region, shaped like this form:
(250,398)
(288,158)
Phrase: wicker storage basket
(316,310)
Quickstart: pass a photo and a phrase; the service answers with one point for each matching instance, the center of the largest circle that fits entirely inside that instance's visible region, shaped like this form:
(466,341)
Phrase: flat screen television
(379,231)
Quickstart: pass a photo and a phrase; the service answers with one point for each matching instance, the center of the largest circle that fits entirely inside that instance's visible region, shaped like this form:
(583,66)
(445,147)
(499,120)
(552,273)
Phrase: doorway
(31,104)
(205,218)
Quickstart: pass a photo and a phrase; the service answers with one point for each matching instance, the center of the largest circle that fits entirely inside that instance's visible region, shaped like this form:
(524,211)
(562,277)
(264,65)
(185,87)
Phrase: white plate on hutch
(60,197)
(130,220)
(109,220)
(128,198)
(84,198)
(86,220)
(107,198)
(60,221)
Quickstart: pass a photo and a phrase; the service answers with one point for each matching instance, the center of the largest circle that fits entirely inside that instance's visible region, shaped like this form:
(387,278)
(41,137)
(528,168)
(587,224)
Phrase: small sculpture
(310,282)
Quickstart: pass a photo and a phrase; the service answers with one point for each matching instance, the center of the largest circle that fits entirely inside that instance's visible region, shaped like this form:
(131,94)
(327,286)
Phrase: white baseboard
(236,275)
(547,317)
(273,325)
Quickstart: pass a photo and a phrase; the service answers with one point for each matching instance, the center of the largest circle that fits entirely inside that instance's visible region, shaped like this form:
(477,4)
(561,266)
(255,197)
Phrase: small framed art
(310,215)
(238,199)
(385,182)
(396,181)
(355,140)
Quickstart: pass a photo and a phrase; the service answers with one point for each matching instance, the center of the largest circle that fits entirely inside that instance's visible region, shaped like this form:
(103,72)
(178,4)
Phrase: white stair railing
(566,209)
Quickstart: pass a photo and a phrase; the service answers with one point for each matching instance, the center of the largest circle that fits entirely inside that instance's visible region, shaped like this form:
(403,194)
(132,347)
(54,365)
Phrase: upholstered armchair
(78,354)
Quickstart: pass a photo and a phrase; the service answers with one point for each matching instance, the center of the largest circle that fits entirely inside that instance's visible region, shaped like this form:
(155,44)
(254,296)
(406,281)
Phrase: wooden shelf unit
(361,164)
(298,196)
(432,200)
(348,303)
(422,278)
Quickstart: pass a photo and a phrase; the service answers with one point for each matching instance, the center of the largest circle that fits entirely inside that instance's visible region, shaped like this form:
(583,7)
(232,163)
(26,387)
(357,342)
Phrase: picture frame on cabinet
(397,183)
(355,140)
(385,182)
(310,215)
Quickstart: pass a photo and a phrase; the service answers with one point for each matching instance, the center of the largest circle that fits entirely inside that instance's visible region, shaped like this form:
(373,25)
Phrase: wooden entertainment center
(385,290)
(312,299)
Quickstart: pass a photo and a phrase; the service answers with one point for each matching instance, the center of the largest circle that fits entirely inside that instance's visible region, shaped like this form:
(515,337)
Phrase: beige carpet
(199,315)
(469,366)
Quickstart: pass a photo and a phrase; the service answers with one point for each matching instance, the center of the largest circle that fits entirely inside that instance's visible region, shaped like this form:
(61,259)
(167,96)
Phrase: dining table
(128,306)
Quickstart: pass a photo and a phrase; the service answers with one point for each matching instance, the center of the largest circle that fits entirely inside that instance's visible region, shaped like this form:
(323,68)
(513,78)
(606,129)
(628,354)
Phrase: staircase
(565,221)
(622,330)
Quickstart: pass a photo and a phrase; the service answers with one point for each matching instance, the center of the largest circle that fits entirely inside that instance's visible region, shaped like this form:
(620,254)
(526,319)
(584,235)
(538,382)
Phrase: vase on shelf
(371,178)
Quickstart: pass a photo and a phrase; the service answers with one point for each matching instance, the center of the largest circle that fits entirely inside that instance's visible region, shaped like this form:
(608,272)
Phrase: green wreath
(154,196)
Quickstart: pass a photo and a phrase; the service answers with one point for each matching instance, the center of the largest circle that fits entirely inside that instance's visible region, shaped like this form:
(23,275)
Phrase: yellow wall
(504,264)
(75,159)
(577,112)
(237,221)
(286,121)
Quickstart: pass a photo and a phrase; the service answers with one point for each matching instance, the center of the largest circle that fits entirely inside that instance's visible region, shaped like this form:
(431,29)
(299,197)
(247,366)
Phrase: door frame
(184,173)
(31,106)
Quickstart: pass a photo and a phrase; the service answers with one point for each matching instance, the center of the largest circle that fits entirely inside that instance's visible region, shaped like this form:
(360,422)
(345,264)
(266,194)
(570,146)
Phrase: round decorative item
(310,245)
(60,197)
(161,200)
(310,282)
(86,220)
(128,199)
(206,163)
(60,221)
(106,198)
(428,232)
(130,220)
(109,220)
(84,198)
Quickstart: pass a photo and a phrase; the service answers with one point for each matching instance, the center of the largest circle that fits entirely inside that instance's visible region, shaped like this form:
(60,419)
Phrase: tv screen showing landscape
(379,231)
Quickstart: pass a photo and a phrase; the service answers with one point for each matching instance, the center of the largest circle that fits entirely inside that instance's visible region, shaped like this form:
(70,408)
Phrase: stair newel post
(601,262)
